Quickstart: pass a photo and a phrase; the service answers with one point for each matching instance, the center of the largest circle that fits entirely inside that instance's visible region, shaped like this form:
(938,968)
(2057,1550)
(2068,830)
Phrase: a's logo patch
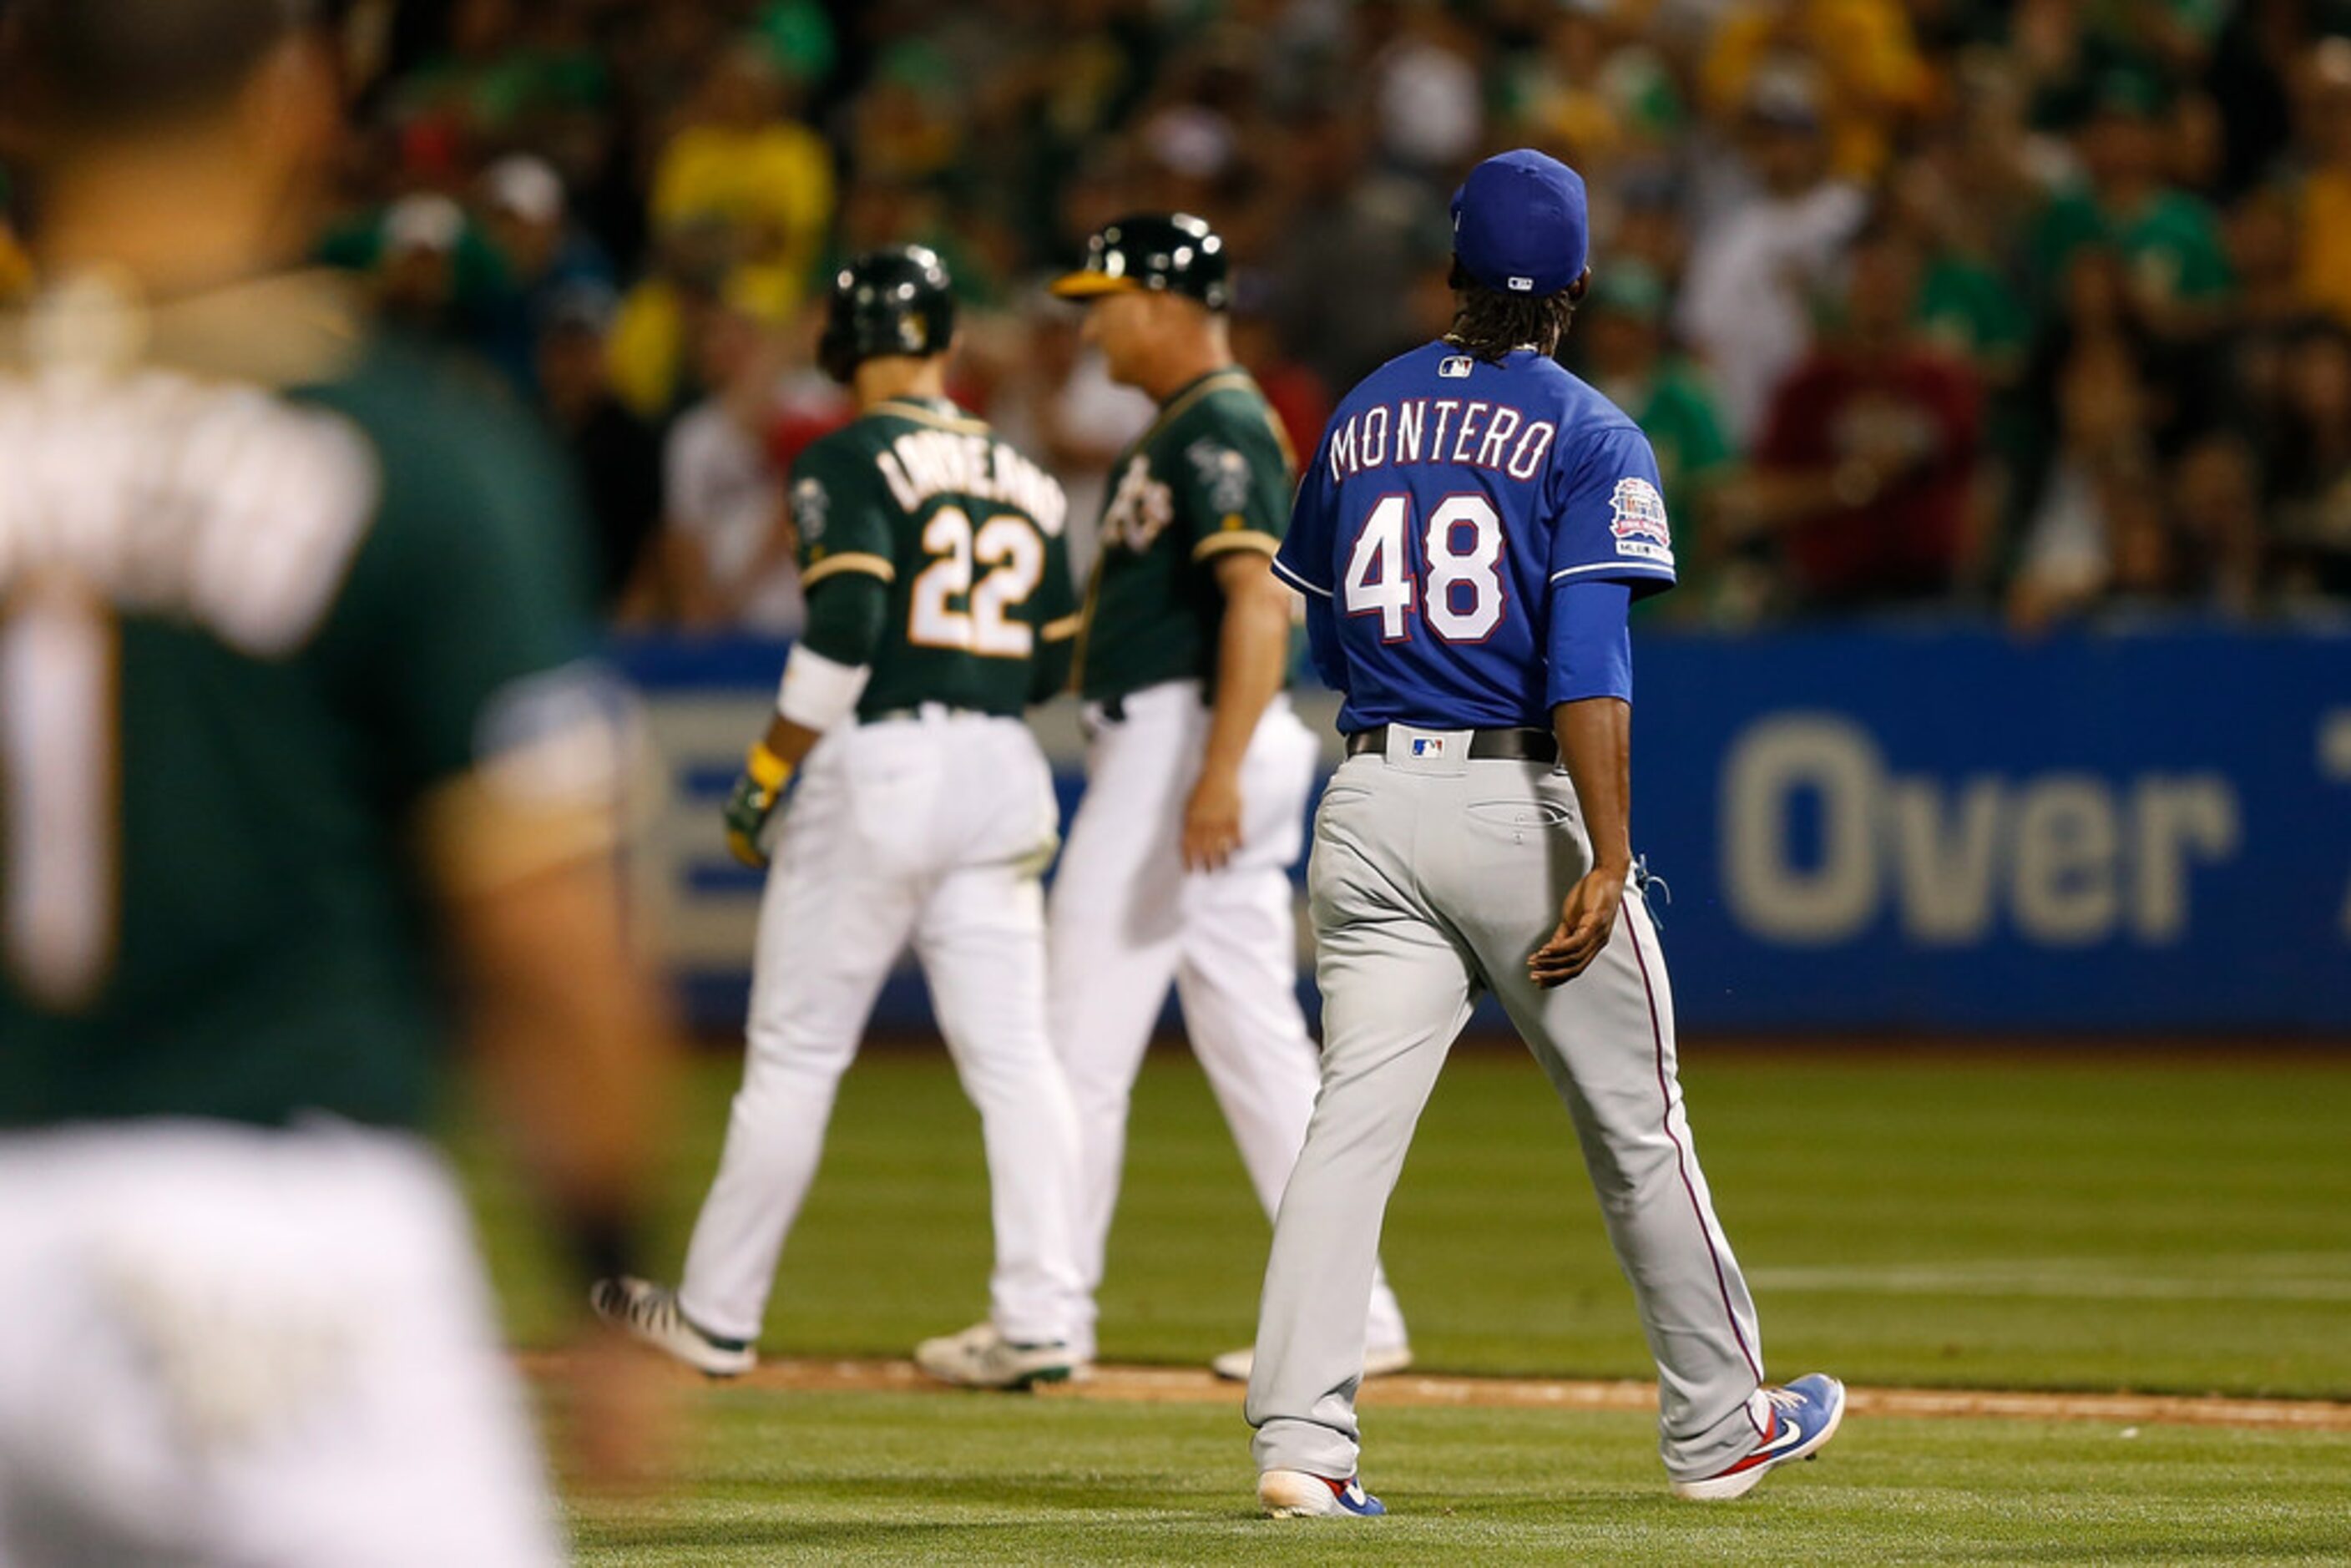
(1428,745)
(1638,518)
(1139,510)
(1455,367)
(808,505)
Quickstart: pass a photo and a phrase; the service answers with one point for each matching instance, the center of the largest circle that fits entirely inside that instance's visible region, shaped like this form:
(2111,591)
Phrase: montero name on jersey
(1415,431)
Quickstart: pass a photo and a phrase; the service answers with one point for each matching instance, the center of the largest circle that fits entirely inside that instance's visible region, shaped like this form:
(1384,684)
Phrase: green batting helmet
(1172,252)
(895,300)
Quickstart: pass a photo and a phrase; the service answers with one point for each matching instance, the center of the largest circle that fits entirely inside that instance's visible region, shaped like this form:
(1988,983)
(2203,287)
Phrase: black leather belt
(1484,745)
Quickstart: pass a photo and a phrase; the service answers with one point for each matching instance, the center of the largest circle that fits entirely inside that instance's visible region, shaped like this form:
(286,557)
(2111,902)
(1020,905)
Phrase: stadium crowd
(2040,307)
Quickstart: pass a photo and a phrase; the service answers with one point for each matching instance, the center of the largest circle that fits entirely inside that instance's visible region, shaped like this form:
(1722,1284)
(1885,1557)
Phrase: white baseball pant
(270,1349)
(1434,877)
(933,829)
(1127,919)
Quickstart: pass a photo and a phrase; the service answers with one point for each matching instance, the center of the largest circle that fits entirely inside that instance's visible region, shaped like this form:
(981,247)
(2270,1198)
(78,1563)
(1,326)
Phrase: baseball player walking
(1196,770)
(291,713)
(1469,537)
(940,606)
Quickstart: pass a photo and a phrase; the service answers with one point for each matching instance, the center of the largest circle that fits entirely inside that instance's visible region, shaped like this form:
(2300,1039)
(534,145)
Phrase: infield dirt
(1185,1386)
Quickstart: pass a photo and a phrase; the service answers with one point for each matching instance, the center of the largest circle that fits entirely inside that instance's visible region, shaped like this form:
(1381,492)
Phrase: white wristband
(819,693)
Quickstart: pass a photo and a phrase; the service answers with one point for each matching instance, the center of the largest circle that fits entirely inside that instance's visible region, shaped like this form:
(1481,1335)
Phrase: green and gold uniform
(283,605)
(1213,473)
(935,555)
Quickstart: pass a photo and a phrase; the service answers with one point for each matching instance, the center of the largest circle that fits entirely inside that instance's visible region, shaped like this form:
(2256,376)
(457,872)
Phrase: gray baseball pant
(1433,878)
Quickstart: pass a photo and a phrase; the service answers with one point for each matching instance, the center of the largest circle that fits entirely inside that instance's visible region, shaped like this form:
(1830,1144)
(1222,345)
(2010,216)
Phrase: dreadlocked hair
(1488,324)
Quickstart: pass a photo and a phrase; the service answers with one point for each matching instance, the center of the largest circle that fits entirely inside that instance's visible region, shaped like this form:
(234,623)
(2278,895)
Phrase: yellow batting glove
(752,801)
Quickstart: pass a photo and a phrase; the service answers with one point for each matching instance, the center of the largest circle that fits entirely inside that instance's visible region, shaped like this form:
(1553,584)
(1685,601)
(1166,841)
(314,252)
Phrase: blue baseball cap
(1519,224)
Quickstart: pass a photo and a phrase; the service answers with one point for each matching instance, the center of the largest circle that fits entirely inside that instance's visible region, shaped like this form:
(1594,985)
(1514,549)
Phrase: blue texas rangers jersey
(1451,505)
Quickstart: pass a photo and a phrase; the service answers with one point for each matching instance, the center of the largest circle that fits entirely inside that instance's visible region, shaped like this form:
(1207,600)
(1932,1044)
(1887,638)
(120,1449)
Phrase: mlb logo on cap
(1520,225)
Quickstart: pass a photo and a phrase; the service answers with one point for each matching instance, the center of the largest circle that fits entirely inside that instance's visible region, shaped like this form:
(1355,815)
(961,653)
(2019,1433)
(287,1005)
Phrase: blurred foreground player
(940,607)
(290,716)
(1469,537)
(1196,770)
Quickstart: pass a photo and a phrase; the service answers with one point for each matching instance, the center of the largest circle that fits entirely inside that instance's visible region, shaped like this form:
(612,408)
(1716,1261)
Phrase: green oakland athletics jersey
(282,609)
(967,537)
(1214,472)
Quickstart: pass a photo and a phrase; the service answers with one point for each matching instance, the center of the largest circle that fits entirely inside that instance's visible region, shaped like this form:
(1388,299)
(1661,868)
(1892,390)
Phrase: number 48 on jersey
(1459,586)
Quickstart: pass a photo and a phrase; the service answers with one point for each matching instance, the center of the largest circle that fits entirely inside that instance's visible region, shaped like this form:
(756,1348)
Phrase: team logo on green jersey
(1140,509)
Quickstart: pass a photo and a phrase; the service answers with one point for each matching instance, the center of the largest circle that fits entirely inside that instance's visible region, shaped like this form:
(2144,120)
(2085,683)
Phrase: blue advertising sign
(1952,830)
(1939,831)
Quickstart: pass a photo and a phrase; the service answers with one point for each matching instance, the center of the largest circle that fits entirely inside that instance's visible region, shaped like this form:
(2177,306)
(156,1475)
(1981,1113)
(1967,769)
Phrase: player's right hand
(1586,919)
(752,801)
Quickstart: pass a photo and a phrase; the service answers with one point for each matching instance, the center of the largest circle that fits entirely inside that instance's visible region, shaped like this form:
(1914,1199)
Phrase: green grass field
(2168,1224)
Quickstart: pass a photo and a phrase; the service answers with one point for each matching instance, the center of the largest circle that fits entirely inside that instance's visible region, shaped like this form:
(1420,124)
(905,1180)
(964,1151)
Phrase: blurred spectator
(743,162)
(652,349)
(727,551)
(1594,93)
(2070,48)
(2324,273)
(2249,365)
(1866,472)
(2216,504)
(1746,306)
(1967,302)
(524,209)
(1424,84)
(2310,467)
(617,456)
(2098,503)
(493,81)
(2177,271)
(1620,337)
(1875,78)
(433,269)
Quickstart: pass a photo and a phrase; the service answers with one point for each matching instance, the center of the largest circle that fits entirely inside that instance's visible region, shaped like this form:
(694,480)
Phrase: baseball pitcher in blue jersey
(1470,538)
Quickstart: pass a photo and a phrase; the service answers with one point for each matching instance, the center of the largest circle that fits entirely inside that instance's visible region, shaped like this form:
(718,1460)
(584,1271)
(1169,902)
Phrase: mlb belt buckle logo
(1428,745)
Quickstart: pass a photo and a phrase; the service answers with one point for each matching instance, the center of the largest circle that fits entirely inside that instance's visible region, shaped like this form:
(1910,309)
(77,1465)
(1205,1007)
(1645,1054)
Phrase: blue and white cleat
(1296,1494)
(1804,1415)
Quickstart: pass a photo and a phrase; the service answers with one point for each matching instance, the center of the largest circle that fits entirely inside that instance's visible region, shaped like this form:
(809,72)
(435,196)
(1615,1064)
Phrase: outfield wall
(1914,830)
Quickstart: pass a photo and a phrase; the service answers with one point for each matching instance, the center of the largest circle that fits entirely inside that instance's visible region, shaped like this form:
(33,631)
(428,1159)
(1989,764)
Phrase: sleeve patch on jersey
(1224,474)
(1638,518)
(809,503)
